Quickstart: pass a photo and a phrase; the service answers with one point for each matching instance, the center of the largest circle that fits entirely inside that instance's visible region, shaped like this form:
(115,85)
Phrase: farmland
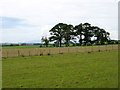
(16,52)
(26,46)
(69,70)
(42,46)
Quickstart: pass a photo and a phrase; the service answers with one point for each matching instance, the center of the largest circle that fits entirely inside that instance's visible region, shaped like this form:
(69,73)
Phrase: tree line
(82,34)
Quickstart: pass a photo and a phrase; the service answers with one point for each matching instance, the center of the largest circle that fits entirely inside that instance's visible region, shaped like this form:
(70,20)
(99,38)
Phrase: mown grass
(74,70)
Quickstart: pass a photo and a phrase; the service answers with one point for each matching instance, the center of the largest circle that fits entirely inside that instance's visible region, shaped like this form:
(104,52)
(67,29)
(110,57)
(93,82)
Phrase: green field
(74,70)
(44,46)
(26,46)
(29,46)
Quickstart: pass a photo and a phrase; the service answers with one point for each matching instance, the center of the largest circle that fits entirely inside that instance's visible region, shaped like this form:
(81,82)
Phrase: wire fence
(60,50)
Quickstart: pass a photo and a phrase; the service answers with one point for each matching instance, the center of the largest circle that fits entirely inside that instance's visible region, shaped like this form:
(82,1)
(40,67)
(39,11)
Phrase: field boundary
(9,52)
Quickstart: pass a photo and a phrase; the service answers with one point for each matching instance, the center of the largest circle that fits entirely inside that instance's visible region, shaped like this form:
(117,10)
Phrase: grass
(74,70)
(26,46)
(38,46)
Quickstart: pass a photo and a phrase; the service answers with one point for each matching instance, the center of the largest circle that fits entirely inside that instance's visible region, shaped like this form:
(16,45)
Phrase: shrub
(88,44)
(94,44)
(83,44)
(73,44)
(99,43)
(40,45)
(77,44)
(105,43)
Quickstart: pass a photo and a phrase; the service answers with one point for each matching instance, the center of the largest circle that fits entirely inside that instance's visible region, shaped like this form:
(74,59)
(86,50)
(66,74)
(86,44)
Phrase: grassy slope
(79,70)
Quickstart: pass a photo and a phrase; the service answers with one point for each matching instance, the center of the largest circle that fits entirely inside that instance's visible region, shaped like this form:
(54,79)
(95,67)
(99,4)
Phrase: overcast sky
(29,20)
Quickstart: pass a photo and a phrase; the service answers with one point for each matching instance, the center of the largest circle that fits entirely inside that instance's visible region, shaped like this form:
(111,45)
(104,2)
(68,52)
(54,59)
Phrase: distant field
(73,70)
(37,46)
(27,46)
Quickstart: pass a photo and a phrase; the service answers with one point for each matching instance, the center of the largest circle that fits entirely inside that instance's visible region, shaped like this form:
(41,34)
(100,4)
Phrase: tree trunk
(60,43)
(80,39)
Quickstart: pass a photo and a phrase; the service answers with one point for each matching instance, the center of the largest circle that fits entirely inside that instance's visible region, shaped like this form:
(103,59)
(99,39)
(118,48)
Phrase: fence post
(76,49)
(92,48)
(68,49)
(106,47)
(18,52)
(40,52)
(59,50)
(99,48)
(7,54)
(29,53)
(112,46)
(49,51)
(85,49)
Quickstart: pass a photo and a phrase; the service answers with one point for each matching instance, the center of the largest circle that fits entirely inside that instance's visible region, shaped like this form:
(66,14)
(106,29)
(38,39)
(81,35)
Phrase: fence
(46,51)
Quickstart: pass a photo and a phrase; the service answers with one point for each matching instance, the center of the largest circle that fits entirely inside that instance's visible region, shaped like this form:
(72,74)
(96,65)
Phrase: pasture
(25,46)
(16,52)
(69,70)
(43,46)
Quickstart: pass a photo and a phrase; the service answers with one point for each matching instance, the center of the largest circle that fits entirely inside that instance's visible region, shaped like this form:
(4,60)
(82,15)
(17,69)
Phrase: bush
(99,43)
(94,44)
(105,43)
(73,44)
(77,44)
(40,45)
(88,44)
(83,44)
(118,42)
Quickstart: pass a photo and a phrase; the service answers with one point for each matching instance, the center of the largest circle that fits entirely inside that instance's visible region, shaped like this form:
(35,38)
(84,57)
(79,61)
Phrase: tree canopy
(83,33)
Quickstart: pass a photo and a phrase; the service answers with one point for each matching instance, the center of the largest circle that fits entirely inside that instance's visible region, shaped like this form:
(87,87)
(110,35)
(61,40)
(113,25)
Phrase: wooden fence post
(92,48)
(7,54)
(49,51)
(40,52)
(106,47)
(112,46)
(29,53)
(68,49)
(76,49)
(18,52)
(59,50)
(86,48)
(99,48)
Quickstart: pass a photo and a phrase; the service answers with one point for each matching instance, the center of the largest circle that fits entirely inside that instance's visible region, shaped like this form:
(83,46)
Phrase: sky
(29,20)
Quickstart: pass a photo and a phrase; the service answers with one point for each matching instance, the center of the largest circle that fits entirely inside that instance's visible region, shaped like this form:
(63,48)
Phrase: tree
(101,35)
(105,36)
(45,40)
(68,34)
(57,33)
(87,32)
(79,32)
